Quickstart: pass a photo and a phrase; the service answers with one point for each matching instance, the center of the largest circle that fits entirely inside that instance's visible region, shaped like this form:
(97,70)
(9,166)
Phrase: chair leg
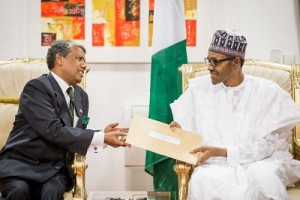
(79,167)
(184,171)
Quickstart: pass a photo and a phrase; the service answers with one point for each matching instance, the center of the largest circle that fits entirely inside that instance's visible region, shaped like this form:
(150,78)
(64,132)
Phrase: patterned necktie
(72,103)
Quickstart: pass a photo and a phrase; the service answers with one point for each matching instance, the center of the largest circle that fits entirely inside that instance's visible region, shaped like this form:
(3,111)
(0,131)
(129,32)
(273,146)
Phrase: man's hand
(113,127)
(174,125)
(206,152)
(114,136)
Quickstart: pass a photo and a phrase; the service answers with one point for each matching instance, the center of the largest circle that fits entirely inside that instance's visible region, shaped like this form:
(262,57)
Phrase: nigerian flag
(169,53)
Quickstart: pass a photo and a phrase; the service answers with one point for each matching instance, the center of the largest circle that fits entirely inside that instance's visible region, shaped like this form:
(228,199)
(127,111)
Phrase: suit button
(57,168)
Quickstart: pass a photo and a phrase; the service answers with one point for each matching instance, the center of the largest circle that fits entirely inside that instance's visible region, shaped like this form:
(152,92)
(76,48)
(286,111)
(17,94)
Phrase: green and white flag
(169,53)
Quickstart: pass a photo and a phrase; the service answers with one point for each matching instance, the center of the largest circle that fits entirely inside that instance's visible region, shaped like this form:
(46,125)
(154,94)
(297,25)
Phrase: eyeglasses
(215,62)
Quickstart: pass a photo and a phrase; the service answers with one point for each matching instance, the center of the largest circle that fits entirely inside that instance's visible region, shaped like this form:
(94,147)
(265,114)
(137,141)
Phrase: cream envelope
(157,137)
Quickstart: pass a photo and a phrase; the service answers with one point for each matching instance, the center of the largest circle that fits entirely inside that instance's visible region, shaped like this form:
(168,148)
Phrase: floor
(128,195)
(294,194)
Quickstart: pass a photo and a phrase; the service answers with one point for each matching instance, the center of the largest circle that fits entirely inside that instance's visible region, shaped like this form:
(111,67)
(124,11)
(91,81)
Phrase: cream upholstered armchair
(288,77)
(14,74)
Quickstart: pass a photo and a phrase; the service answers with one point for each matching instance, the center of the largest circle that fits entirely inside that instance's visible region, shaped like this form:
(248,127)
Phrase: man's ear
(237,62)
(58,59)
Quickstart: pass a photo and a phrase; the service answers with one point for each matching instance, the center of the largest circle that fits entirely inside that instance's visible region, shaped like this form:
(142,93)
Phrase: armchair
(14,74)
(288,77)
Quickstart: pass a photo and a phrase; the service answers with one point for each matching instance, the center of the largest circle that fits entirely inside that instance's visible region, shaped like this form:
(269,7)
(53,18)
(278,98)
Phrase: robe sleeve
(182,110)
(277,116)
(255,151)
(278,112)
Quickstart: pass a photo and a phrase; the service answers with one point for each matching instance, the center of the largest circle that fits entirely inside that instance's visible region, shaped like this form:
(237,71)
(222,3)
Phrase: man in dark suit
(35,162)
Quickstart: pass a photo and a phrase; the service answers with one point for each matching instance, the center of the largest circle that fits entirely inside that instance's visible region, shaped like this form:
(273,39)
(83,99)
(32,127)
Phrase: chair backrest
(286,76)
(14,74)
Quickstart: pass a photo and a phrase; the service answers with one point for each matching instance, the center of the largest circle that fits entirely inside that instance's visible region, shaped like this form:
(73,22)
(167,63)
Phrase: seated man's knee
(54,189)
(261,169)
(264,180)
(14,189)
(202,175)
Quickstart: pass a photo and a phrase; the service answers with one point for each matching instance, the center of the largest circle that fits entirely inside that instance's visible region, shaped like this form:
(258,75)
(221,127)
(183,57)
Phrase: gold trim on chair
(184,172)
(9,100)
(26,60)
(296,96)
(79,164)
(79,168)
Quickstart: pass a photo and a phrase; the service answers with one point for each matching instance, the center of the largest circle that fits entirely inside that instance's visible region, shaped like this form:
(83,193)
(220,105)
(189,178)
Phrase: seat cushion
(294,193)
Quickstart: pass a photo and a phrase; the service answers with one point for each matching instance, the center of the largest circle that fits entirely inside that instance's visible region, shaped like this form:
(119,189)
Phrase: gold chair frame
(189,71)
(79,164)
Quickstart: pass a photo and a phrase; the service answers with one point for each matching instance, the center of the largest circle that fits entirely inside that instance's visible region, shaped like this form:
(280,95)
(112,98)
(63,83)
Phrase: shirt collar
(62,84)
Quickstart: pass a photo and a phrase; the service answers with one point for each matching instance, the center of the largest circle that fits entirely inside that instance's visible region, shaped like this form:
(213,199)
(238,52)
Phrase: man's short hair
(62,47)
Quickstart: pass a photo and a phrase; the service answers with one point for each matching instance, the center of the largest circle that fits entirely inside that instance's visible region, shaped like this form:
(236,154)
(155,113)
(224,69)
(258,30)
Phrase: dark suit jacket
(43,140)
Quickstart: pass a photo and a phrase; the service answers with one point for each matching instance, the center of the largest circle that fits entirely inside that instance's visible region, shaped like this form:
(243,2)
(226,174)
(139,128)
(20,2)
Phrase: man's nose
(210,67)
(83,66)
(86,68)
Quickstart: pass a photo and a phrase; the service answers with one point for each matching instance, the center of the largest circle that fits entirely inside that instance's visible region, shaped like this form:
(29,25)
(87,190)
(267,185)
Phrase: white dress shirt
(97,142)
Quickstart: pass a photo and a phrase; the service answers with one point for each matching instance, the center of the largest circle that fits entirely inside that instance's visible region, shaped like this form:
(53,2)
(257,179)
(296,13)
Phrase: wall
(113,88)
(267,24)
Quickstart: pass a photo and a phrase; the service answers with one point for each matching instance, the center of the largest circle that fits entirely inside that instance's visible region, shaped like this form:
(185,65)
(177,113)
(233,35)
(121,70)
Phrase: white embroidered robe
(253,121)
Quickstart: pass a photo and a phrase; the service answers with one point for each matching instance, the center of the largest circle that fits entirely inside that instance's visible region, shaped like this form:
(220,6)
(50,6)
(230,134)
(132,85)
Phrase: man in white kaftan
(245,123)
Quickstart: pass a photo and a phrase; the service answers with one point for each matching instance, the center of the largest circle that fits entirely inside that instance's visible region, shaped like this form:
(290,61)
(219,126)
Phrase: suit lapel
(78,106)
(61,101)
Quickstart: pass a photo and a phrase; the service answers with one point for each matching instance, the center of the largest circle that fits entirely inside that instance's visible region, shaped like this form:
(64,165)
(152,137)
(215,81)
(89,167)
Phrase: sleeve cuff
(232,154)
(97,143)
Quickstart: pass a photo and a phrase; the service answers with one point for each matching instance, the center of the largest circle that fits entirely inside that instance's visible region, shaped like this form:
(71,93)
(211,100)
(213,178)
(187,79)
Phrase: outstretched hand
(206,152)
(115,136)
(113,127)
